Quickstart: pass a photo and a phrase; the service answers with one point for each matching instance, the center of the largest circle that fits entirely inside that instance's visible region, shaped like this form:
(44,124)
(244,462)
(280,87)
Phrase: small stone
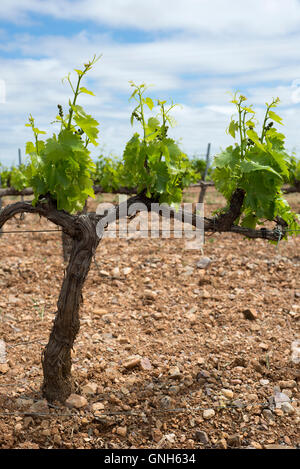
(252,397)
(156,435)
(202,437)
(122,431)
(100,312)
(263,346)
(90,388)
(295,348)
(145,364)
(208,414)
(4,368)
(2,351)
(57,439)
(149,295)
(123,340)
(193,318)
(258,367)
(116,272)
(280,398)
(289,384)
(28,421)
(227,393)
(174,372)
(264,382)
(132,362)
(234,441)
(288,408)
(165,402)
(240,361)
(97,406)
(104,273)
(250,314)
(268,415)
(203,263)
(111,373)
(18,427)
(127,270)
(24,403)
(39,407)
(222,444)
(74,400)
(255,445)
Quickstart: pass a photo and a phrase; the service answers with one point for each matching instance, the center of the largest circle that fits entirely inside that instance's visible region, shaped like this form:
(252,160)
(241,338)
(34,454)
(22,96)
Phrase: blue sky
(195,52)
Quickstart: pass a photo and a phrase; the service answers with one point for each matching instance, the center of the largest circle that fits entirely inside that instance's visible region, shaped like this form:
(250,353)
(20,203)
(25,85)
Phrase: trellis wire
(187,410)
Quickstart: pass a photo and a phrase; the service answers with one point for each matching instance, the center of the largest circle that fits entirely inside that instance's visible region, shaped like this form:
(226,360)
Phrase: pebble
(280,398)
(97,406)
(156,435)
(90,388)
(208,414)
(234,441)
(289,384)
(222,444)
(74,400)
(122,431)
(100,312)
(145,364)
(295,348)
(174,372)
(263,346)
(227,393)
(116,272)
(23,403)
(264,382)
(4,368)
(165,401)
(288,408)
(104,273)
(132,362)
(203,263)
(202,437)
(39,407)
(149,295)
(250,314)
(256,445)
(2,351)
(127,270)
(268,415)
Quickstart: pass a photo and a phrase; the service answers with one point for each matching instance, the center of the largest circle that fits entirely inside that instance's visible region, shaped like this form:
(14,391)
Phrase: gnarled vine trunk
(56,358)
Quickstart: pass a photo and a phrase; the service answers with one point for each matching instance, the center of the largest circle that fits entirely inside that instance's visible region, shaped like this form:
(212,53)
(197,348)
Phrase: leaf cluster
(61,166)
(154,162)
(258,164)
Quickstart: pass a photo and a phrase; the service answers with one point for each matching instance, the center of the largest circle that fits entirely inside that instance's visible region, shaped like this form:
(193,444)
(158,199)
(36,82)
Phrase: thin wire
(188,410)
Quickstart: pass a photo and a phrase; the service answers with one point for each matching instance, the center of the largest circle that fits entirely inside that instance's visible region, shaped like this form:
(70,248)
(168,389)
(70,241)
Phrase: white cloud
(212,49)
(207,16)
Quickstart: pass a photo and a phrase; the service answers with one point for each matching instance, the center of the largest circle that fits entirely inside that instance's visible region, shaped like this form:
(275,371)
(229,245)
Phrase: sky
(192,52)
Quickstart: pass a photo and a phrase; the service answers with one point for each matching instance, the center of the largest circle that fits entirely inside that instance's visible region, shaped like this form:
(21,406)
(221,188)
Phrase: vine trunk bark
(56,357)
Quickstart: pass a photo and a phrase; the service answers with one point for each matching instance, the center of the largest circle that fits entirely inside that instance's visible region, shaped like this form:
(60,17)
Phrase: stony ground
(175,350)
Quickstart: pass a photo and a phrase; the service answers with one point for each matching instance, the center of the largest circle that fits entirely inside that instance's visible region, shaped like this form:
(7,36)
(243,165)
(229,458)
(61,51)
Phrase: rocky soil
(178,348)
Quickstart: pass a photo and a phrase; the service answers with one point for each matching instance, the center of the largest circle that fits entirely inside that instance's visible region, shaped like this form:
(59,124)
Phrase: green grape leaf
(82,89)
(275,117)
